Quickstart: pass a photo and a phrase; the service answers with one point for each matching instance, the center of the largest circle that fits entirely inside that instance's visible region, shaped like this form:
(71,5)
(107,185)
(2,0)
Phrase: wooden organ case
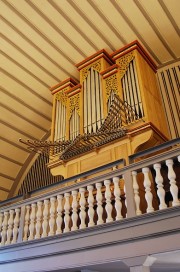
(114,111)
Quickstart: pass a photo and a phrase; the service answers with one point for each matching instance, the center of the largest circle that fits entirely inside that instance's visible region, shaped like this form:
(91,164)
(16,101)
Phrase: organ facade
(114,111)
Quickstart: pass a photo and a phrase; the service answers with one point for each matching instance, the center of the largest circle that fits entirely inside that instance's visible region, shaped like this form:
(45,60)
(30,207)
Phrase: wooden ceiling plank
(78,20)
(54,18)
(97,8)
(22,76)
(163,28)
(17,89)
(43,28)
(17,102)
(20,131)
(171,8)
(41,50)
(22,124)
(73,23)
(13,144)
(146,34)
(11,160)
(22,116)
(88,14)
(8,167)
(25,86)
(7,177)
(15,49)
(24,112)
(5,183)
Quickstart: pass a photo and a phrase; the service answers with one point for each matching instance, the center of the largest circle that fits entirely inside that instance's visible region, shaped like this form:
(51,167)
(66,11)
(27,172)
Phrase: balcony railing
(145,186)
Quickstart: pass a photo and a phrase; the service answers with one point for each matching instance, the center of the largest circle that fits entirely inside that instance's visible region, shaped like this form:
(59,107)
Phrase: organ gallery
(114,111)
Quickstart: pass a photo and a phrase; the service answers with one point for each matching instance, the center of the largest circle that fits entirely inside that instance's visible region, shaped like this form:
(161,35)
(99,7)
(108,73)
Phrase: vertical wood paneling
(169,81)
(38,176)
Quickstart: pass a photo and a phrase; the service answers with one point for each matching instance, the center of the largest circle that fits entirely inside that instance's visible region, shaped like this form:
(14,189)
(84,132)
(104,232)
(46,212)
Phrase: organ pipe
(93,102)
(131,92)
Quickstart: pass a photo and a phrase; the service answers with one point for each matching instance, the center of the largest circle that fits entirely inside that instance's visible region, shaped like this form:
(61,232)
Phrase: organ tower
(114,111)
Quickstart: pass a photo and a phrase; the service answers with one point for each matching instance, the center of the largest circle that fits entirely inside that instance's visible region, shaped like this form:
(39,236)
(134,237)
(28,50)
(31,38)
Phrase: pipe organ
(114,111)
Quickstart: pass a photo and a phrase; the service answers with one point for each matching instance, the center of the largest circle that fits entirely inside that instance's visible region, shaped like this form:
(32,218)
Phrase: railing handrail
(118,172)
(61,182)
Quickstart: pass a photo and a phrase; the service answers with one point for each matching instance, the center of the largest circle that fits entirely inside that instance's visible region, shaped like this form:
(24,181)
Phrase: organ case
(114,111)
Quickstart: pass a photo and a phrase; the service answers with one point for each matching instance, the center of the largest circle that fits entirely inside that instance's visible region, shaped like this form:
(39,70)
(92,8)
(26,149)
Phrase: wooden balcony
(119,216)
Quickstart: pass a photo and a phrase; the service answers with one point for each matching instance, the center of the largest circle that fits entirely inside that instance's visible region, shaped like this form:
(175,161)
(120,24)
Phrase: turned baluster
(66,212)
(99,198)
(91,206)
(148,194)
(74,210)
(1,221)
(108,206)
(59,219)
(4,228)
(123,192)
(10,227)
(38,219)
(173,186)
(32,221)
(160,189)
(26,223)
(16,225)
(82,213)
(52,216)
(136,193)
(117,193)
(45,218)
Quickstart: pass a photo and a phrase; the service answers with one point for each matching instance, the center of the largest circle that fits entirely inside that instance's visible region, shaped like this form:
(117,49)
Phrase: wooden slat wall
(169,81)
(38,176)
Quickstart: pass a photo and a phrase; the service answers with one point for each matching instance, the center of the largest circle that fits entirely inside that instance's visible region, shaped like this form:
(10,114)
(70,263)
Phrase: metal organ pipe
(93,102)
(60,121)
(139,105)
(131,93)
(74,125)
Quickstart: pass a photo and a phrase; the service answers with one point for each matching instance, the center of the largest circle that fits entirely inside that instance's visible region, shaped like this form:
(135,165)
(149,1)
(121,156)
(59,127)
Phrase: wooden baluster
(148,194)
(52,216)
(16,225)
(108,206)
(32,221)
(173,187)
(66,212)
(1,221)
(10,227)
(123,191)
(160,189)
(99,203)
(91,206)
(74,210)
(117,193)
(26,224)
(59,219)
(136,193)
(45,218)
(82,213)
(4,228)
(38,220)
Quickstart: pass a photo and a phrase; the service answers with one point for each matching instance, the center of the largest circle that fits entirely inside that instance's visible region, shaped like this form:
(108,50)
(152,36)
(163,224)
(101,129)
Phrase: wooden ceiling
(41,42)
